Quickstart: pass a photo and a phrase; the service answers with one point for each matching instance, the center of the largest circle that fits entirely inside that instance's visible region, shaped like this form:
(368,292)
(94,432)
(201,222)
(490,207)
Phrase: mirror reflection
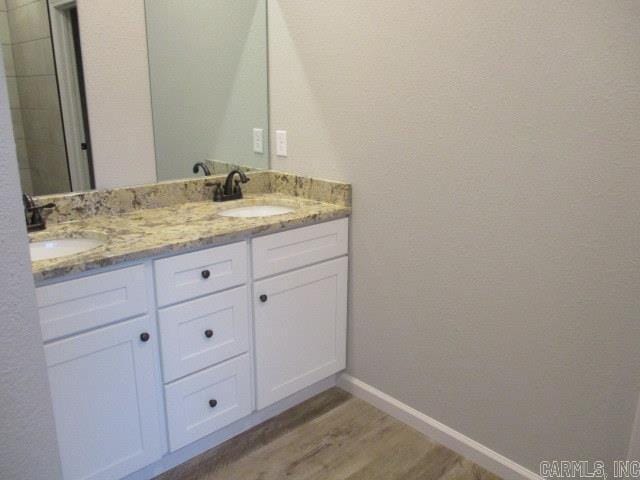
(46,94)
(208,71)
(207,76)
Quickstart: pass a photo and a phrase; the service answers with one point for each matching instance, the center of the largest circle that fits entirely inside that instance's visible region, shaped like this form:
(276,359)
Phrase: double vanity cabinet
(150,356)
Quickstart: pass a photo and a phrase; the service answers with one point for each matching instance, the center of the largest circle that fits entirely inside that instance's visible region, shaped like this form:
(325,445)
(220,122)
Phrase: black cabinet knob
(213,402)
(145,337)
(263,298)
(205,274)
(208,333)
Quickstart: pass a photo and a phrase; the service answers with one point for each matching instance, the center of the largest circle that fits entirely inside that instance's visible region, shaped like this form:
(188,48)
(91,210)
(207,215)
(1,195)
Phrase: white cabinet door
(105,400)
(300,329)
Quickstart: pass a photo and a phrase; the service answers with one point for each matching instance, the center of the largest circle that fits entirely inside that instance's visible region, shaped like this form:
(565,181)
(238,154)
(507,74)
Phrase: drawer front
(204,402)
(194,274)
(296,248)
(77,305)
(199,333)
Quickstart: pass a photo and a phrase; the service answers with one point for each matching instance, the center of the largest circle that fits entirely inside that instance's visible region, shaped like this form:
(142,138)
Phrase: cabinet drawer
(70,307)
(194,274)
(199,333)
(204,402)
(300,247)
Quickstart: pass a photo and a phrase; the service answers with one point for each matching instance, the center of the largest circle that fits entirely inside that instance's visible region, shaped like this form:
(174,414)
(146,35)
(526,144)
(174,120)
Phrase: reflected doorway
(65,32)
(44,76)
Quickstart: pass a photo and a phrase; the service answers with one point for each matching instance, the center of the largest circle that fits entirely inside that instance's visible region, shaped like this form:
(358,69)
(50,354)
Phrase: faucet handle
(27,201)
(217,193)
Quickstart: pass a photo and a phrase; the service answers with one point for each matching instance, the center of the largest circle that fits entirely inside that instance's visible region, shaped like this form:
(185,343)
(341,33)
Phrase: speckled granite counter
(138,228)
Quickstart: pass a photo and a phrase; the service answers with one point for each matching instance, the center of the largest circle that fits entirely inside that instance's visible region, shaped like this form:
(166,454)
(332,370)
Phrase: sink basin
(48,249)
(256,211)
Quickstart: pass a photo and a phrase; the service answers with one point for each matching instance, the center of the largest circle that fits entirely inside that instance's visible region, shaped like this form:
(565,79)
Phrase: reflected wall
(208,74)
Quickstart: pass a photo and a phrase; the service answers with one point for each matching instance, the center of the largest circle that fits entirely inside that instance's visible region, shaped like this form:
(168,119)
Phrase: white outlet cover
(281,143)
(258,140)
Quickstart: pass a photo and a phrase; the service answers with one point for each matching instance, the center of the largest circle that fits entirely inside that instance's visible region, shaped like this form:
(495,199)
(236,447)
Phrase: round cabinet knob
(145,337)
(263,298)
(208,333)
(213,402)
(205,274)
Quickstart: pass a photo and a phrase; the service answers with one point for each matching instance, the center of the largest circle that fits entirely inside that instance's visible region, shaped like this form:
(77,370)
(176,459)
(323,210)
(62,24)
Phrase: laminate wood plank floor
(332,436)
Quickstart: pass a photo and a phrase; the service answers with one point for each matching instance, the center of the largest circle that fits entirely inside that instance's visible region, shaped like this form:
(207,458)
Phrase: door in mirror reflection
(208,73)
(42,59)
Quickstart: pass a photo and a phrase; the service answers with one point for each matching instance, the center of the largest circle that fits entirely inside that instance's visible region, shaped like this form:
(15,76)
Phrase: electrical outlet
(281,143)
(258,143)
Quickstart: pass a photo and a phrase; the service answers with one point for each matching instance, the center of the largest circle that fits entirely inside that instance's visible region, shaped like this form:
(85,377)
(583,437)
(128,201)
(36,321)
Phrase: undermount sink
(256,211)
(62,247)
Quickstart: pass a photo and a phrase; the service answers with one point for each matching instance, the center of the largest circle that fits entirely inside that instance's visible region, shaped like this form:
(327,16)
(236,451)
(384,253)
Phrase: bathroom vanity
(154,342)
(174,315)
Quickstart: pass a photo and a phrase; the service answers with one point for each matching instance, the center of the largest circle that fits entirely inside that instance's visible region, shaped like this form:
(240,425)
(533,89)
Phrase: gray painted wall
(493,147)
(28,448)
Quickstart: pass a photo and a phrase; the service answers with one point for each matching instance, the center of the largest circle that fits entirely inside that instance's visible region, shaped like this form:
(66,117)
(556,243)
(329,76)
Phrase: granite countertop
(153,232)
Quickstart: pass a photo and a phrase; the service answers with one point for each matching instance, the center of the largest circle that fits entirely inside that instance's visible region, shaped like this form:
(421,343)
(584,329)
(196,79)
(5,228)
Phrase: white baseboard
(450,438)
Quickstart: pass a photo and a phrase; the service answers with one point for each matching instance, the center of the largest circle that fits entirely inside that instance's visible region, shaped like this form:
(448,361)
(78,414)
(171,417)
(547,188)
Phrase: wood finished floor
(332,436)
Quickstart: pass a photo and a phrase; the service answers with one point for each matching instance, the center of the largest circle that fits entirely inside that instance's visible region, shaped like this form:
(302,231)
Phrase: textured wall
(114,51)
(28,447)
(493,148)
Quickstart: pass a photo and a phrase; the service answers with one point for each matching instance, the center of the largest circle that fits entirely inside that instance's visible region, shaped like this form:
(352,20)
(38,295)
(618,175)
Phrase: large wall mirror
(207,77)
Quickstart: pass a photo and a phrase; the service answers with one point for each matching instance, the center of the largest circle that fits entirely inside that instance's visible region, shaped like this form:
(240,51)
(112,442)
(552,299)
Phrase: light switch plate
(281,143)
(258,143)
